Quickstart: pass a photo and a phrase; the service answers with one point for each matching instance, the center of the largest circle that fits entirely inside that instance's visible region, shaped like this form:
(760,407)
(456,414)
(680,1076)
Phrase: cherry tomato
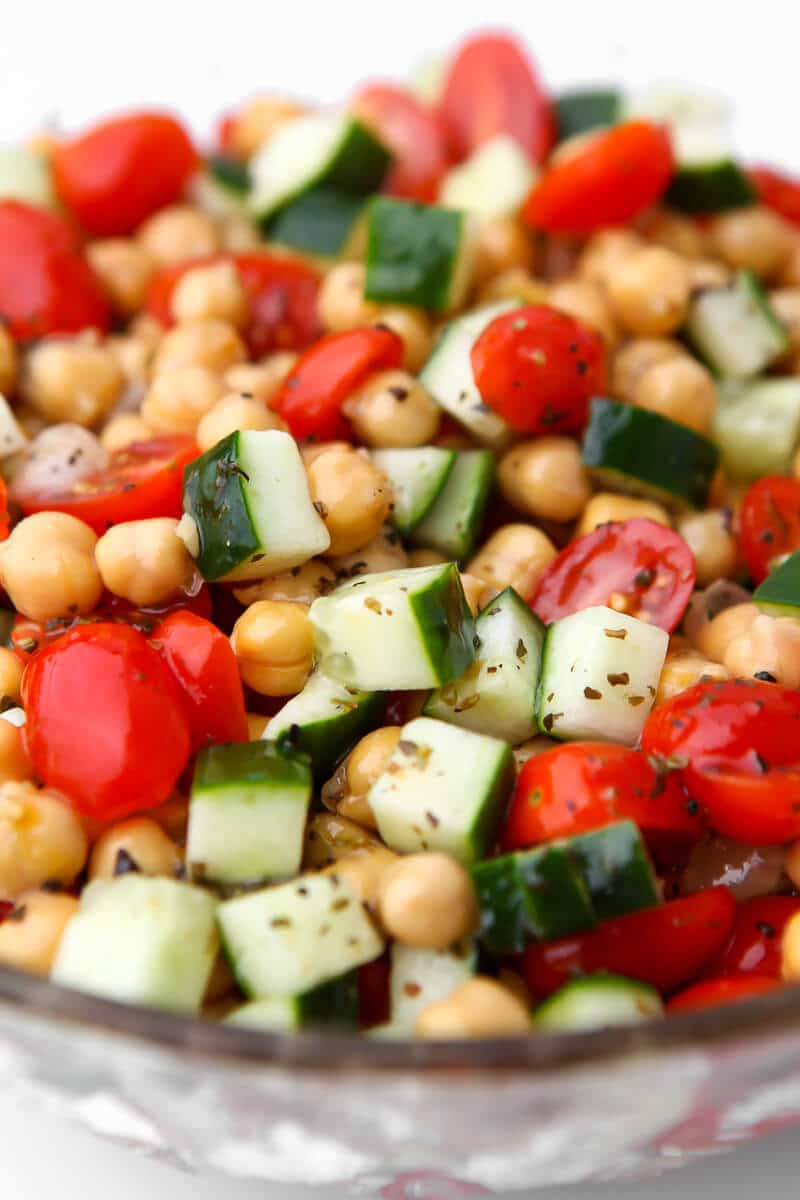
(46,285)
(761,810)
(142,480)
(311,397)
(638,567)
(778,191)
(203,663)
(492,88)
(413,133)
(122,170)
(725,989)
(282,298)
(584,785)
(105,721)
(619,173)
(225,139)
(374,992)
(6,906)
(769,523)
(538,368)
(663,946)
(755,946)
(5,520)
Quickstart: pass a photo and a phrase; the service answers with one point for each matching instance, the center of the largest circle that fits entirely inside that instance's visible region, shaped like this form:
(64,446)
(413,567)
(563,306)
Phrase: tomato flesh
(778,191)
(710,993)
(144,479)
(311,397)
(105,721)
(769,523)
(755,946)
(608,182)
(538,368)
(663,946)
(637,567)
(413,133)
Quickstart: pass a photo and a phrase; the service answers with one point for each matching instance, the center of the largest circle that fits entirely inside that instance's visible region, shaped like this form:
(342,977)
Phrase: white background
(64,61)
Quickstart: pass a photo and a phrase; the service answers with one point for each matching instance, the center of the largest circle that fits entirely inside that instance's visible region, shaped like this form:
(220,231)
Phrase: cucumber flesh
(417,477)
(334,1003)
(735,330)
(422,977)
(494,180)
(757,427)
(596,1002)
(25,176)
(452,524)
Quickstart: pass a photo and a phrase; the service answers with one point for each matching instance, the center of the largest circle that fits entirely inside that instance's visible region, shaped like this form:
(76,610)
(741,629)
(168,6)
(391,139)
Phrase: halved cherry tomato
(281,292)
(538,368)
(492,88)
(122,170)
(584,785)
(638,567)
(5,520)
(769,523)
(778,191)
(105,721)
(663,946)
(725,989)
(311,397)
(225,140)
(46,285)
(414,134)
(763,810)
(608,182)
(755,946)
(203,663)
(142,480)
(6,907)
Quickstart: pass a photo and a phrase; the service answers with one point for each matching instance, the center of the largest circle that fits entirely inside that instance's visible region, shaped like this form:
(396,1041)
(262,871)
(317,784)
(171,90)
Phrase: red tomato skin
(757,810)
(725,989)
(755,945)
(374,992)
(581,786)
(415,135)
(778,191)
(647,563)
(619,173)
(538,368)
(5,520)
(769,523)
(311,396)
(663,946)
(116,174)
(46,285)
(492,88)
(105,721)
(155,469)
(203,663)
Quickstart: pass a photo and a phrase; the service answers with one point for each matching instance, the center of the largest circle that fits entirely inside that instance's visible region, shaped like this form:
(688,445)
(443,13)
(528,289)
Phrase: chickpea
(32,932)
(211,291)
(771,644)
(238,233)
(786,304)
(144,561)
(364,871)
(479,1008)
(147,329)
(428,901)
(636,357)
(714,637)
(47,567)
(14,761)
(545,478)
(683,670)
(712,543)
(10,676)
(369,758)
(233,412)
(608,506)
(676,233)
(125,270)
(209,343)
(425,558)
(42,839)
(274,645)
(176,233)
(8,361)
(177,401)
(501,245)
(72,380)
(476,592)
(340,302)
(791,863)
(311,451)
(392,409)
(681,389)
(173,817)
(122,430)
(586,301)
(605,252)
(258,119)
(789,274)
(302,585)
(331,838)
(414,330)
(138,844)
(756,239)
(134,357)
(790,950)
(649,292)
(261,381)
(256,724)
(514,556)
(384,553)
(353,498)
(706,273)
(514,284)
(358,809)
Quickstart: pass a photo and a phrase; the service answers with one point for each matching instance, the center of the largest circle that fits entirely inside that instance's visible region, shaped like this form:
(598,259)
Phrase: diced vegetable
(596,1002)
(453,522)
(332,1004)
(757,427)
(417,477)
(734,328)
(418,254)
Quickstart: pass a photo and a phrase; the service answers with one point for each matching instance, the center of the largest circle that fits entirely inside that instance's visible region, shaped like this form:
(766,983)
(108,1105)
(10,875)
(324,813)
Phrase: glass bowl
(403,1120)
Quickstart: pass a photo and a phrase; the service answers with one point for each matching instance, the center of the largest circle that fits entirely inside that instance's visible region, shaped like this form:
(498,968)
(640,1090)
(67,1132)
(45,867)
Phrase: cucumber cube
(331,1004)
(422,977)
(418,254)
(417,476)
(617,869)
(779,594)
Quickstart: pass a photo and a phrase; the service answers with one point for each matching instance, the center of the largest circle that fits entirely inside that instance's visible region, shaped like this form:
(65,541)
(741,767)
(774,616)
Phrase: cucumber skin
(680,463)
(451,628)
(461,542)
(617,868)
(319,221)
(412,253)
(718,187)
(229,173)
(779,593)
(222,765)
(317,743)
(213,486)
(582,110)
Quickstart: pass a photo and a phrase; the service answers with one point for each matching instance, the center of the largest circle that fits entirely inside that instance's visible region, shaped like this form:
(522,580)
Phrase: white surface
(65,62)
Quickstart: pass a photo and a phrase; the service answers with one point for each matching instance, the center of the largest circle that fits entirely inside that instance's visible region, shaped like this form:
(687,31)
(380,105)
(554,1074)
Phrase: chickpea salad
(400,559)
